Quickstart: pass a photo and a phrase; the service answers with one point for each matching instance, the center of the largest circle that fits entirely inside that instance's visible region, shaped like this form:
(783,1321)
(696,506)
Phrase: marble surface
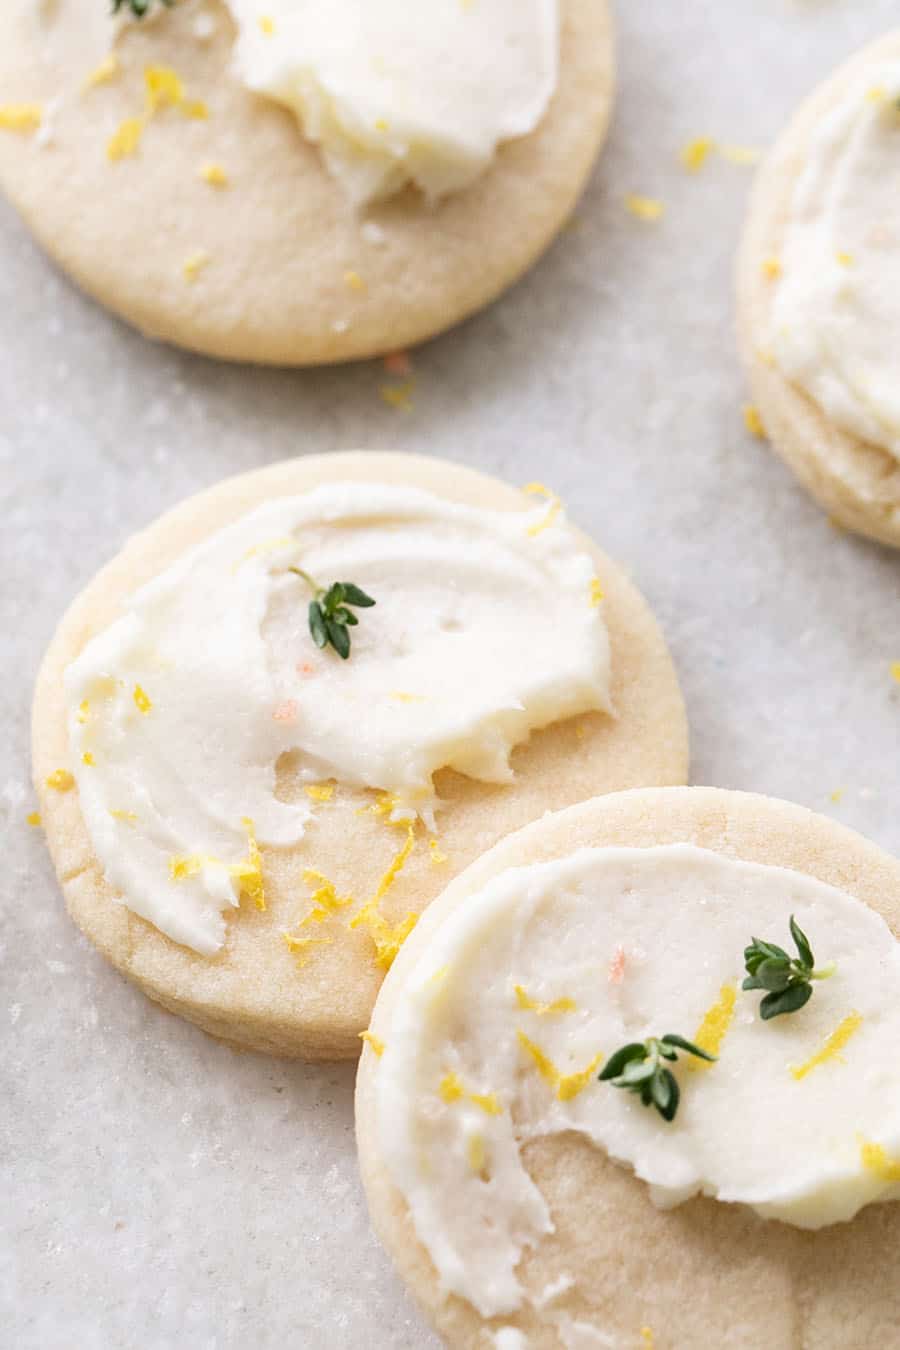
(160,1190)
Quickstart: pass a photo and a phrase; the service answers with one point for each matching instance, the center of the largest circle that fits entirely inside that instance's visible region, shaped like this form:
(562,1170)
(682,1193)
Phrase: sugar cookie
(817,294)
(206,759)
(486,1138)
(160,161)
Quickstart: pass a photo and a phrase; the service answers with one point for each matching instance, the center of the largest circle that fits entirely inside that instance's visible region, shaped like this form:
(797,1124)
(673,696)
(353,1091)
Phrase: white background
(158,1189)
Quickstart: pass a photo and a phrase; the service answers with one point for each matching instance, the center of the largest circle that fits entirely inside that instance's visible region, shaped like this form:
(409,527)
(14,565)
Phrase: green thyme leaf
(638,1068)
(330,617)
(787,980)
(138,7)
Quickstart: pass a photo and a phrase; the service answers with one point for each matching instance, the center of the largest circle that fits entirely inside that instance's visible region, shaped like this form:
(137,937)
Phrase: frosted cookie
(247,823)
(818,293)
(588,1115)
(233,179)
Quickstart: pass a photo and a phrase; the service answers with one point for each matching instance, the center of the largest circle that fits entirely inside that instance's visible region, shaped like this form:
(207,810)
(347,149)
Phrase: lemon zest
(215,175)
(388,938)
(354,281)
(740,154)
(529,1004)
(299,947)
(553,509)
(832,1047)
(647,1337)
(129,817)
(247,872)
(126,139)
(60,780)
(267,25)
(645,208)
(319,792)
(895,671)
(713,1029)
(753,422)
(325,897)
(107,70)
(87,758)
(566,1085)
(194,264)
(596,597)
(194,108)
(451,1089)
(141,700)
(402,697)
(695,154)
(438,856)
(84,711)
(875,1159)
(845,259)
(164,88)
(771,268)
(20,116)
(374,1041)
(34,818)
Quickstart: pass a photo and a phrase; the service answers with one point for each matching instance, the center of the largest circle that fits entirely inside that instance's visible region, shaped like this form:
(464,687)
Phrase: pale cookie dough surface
(254,992)
(618,1272)
(857,482)
(271,251)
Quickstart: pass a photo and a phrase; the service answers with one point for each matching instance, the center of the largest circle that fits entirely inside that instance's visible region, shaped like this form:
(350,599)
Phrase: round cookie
(856,482)
(278,267)
(252,992)
(626,1273)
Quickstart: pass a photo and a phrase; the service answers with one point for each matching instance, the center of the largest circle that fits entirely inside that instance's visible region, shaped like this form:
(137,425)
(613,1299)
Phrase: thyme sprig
(638,1068)
(787,979)
(330,618)
(138,7)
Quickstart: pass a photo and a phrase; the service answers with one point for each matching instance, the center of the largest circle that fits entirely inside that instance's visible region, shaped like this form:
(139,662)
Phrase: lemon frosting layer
(486,627)
(836,311)
(613,946)
(396,94)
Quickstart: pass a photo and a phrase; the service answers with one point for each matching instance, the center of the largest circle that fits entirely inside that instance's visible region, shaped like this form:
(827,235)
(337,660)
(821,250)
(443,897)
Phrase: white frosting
(836,311)
(483,630)
(396,94)
(642,941)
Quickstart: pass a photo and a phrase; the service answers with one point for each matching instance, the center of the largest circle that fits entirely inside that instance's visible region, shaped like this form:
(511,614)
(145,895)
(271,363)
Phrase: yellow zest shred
(437,854)
(300,947)
(553,509)
(876,94)
(476,1152)
(374,1041)
(164,88)
(837,795)
(125,139)
(382,124)
(325,897)
(771,268)
(34,818)
(647,1337)
(895,671)
(141,700)
(451,1089)
(60,780)
(194,108)
(439,975)
(529,1004)
(214,174)
(714,1027)
(87,758)
(129,817)
(249,871)
(845,259)
(832,1047)
(398,396)
(107,70)
(645,208)
(695,154)
(354,281)
(194,264)
(320,792)
(753,421)
(402,697)
(267,25)
(388,938)
(84,711)
(20,116)
(566,1085)
(875,1159)
(596,597)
